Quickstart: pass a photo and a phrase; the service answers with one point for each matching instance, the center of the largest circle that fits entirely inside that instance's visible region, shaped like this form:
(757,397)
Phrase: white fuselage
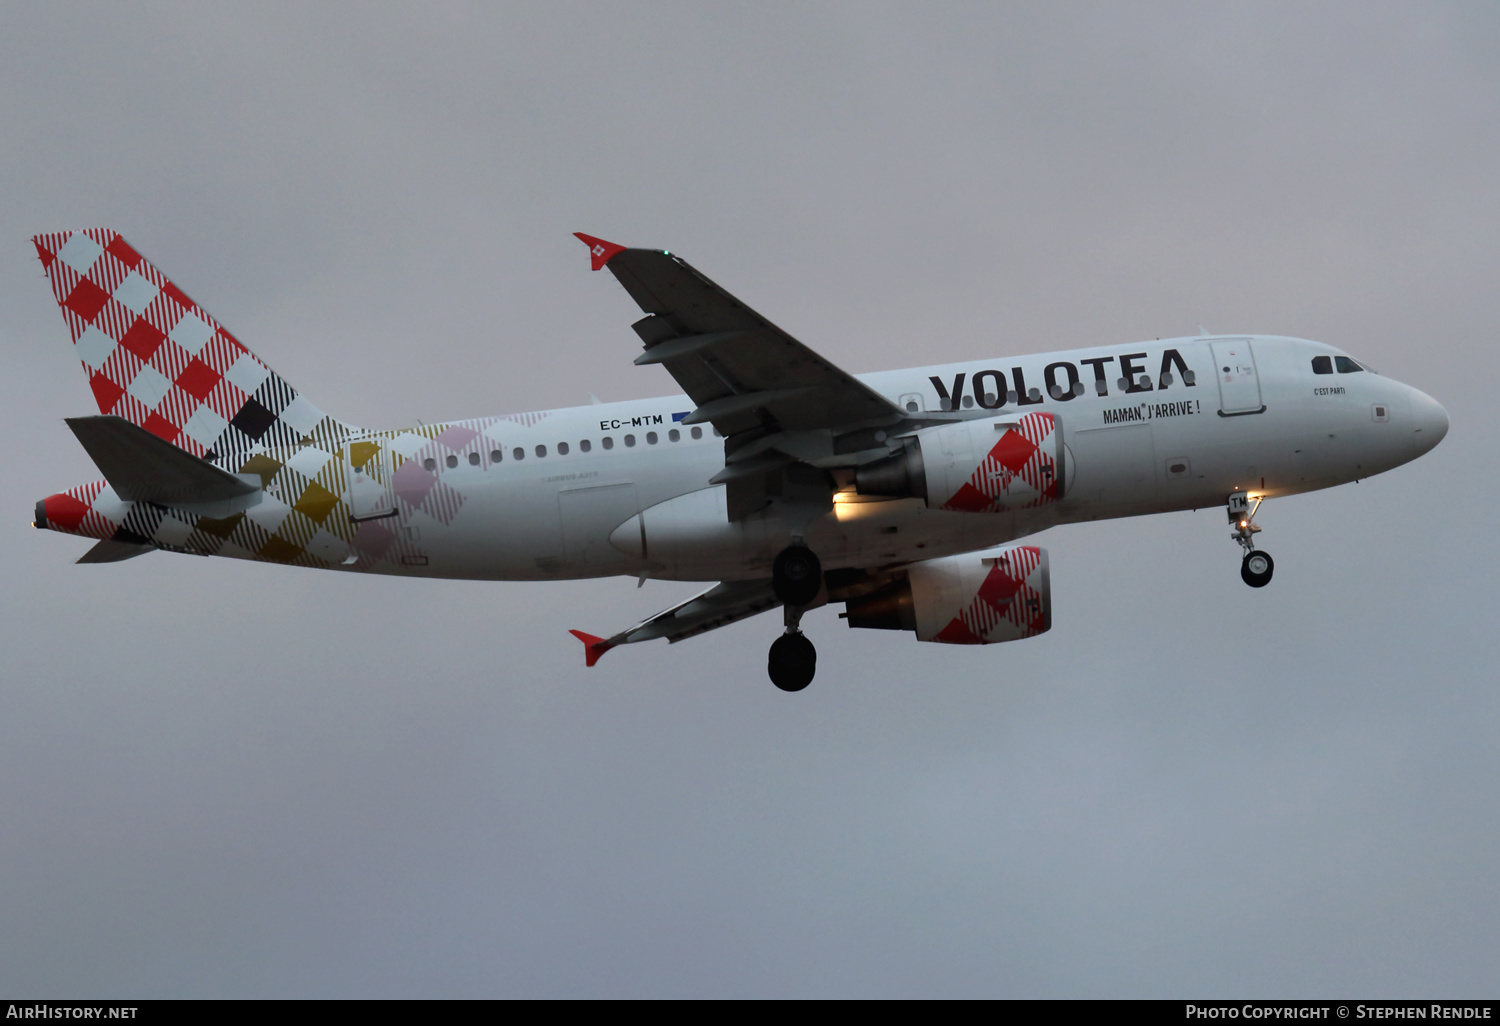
(1256,417)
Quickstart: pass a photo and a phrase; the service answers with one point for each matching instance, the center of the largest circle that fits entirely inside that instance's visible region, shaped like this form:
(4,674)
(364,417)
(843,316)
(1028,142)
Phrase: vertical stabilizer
(158,360)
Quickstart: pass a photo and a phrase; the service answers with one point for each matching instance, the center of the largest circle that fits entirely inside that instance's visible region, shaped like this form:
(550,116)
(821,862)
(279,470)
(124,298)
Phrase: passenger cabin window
(629,441)
(650,437)
(1346,365)
(452,461)
(674,435)
(585,445)
(697,433)
(609,443)
(1322,365)
(541,451)
(562,448)
(496,455)
(473,459)
(518,453)
(429,464)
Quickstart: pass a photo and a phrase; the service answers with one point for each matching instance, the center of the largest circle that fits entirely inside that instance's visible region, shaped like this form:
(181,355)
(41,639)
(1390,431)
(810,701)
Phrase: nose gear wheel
(1256,568)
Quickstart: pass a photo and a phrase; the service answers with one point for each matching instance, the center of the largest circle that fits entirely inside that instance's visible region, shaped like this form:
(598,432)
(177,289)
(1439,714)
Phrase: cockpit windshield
(1327,364)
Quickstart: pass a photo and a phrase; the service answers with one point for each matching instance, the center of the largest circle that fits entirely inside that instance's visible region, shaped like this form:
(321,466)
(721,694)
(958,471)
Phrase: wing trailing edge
(723,604)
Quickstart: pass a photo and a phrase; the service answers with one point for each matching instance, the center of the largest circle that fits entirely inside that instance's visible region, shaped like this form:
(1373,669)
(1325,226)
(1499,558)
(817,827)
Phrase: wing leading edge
(723,604)
(742,371)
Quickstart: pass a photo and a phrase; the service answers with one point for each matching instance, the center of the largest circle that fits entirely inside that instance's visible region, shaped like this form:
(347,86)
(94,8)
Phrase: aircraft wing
(723,604)
(744,373)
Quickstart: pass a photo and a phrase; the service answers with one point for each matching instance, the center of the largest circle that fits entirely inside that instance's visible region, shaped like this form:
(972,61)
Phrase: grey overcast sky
(225,779)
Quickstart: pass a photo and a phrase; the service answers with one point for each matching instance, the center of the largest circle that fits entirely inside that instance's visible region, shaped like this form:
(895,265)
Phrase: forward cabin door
(1239,383)
(370,492)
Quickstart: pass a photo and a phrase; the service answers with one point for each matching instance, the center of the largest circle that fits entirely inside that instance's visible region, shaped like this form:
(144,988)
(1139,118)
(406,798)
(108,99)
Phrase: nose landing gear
(1257,566)
(796,578)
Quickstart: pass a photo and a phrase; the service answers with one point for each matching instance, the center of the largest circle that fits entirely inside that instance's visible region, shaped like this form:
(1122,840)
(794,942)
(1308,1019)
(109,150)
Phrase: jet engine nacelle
(975,466)
(980,598)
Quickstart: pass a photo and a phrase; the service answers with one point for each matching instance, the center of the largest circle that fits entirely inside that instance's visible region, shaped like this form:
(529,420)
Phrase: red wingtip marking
(593,647)
(600,253)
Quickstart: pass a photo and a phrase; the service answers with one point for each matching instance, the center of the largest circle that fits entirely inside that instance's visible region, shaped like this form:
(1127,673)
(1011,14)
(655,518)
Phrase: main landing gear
(796,575)
(796,578)
(1257,566)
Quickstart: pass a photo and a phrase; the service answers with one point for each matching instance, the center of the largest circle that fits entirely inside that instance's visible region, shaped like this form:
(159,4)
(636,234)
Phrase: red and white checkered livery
(157,359)
(1020,470)
(983,598)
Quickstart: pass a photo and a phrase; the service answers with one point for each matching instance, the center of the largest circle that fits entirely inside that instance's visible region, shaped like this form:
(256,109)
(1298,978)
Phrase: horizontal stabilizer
(141,467)
(111,551)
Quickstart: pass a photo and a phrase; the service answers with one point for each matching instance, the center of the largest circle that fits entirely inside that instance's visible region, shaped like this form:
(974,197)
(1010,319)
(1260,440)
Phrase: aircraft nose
(1429,422)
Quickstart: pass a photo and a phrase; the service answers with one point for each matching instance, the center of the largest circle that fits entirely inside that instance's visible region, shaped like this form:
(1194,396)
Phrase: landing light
(845,505)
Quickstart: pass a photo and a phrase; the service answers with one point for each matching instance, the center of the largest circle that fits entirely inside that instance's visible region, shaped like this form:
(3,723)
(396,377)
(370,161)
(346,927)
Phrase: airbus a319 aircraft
(786,481)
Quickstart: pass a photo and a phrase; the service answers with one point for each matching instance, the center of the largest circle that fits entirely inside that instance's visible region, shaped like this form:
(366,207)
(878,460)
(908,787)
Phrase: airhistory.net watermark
(47,1010)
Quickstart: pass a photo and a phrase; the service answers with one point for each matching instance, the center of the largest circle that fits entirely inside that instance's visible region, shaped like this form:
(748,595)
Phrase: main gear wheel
(792,662)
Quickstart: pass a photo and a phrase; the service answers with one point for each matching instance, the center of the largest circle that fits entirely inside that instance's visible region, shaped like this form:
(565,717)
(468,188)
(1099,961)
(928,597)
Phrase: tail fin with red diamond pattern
(157,359)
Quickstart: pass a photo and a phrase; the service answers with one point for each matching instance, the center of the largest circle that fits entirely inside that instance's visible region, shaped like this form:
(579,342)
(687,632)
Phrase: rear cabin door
(1239,383)
(370,493)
